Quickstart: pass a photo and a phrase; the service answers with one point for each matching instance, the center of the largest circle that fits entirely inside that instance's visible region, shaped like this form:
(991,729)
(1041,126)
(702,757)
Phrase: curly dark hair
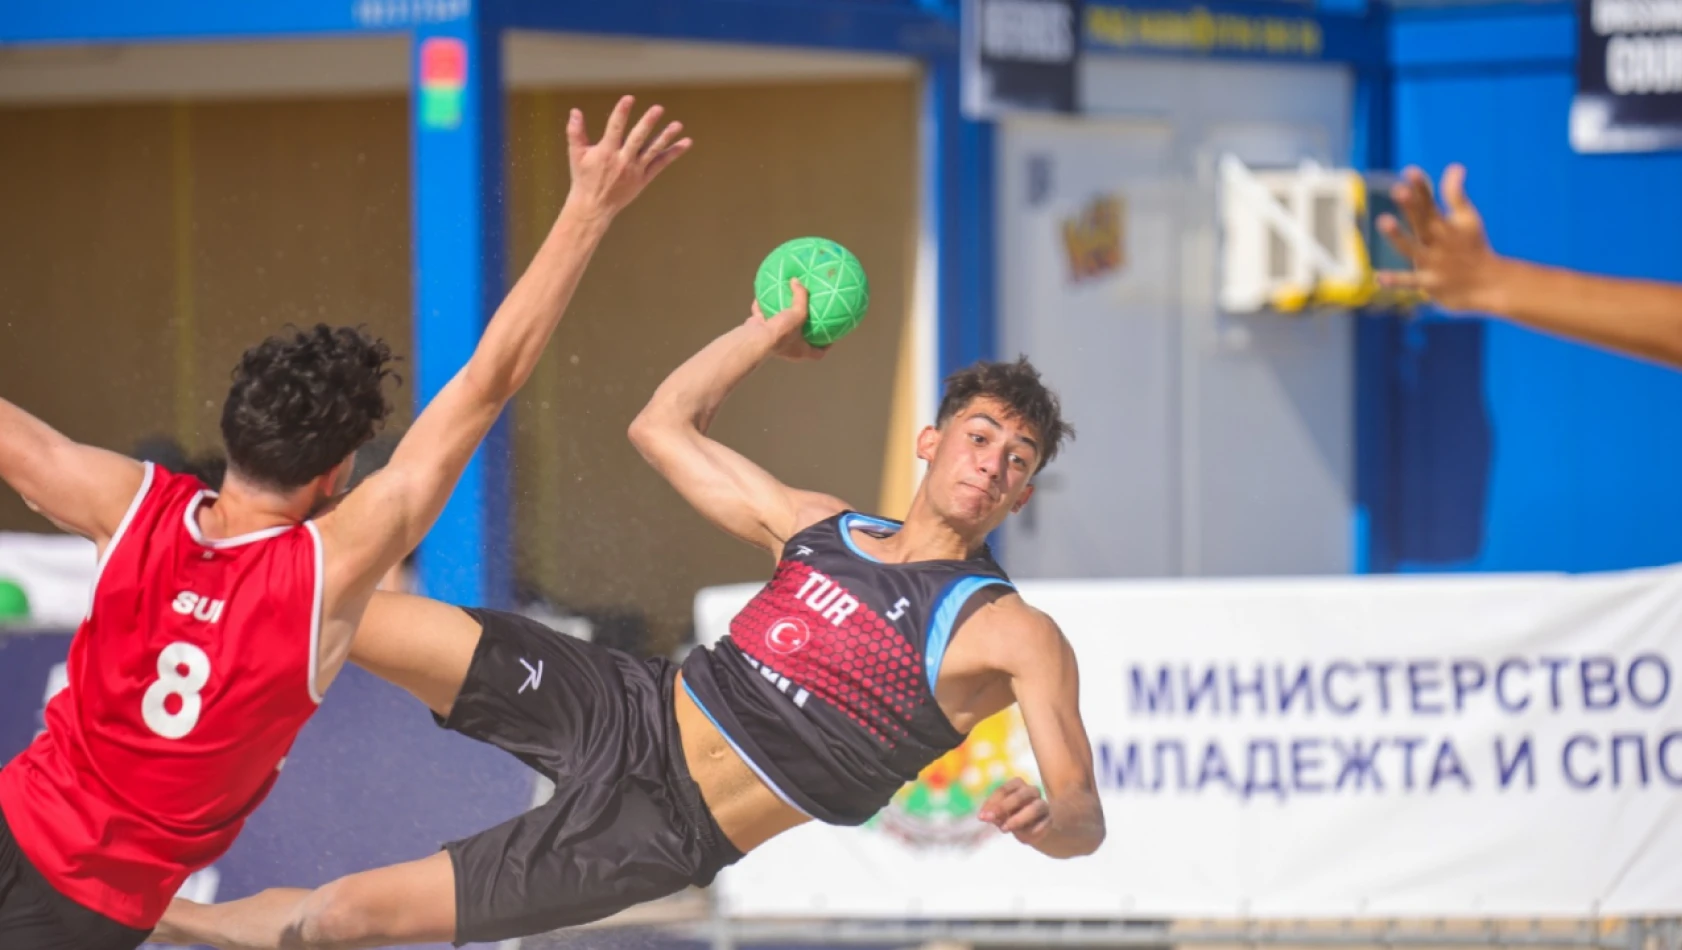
(304,400)
(1018,386)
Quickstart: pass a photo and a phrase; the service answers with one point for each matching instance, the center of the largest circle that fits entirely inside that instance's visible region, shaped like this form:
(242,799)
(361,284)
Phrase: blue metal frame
(1373,518)
(958,173)
(883,26)
(1393,355)
(459,280)
(106,21)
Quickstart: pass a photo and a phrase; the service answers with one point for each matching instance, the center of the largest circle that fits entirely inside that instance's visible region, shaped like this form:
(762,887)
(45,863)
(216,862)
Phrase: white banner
(1449,746)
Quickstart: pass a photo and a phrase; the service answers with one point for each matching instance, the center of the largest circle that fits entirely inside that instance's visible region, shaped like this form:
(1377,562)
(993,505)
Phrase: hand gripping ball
(839,292)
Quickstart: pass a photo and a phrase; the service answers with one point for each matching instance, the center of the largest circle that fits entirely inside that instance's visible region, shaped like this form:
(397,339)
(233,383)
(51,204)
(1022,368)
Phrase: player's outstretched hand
(1453,263)
(1019,809)
(608,176)
(786,327)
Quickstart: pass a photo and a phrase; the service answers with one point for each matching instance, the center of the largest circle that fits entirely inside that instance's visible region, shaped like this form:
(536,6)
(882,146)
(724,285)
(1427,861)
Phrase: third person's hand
(1453,263)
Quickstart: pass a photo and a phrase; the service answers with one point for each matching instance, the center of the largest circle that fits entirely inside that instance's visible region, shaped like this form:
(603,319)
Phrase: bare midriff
(746,809)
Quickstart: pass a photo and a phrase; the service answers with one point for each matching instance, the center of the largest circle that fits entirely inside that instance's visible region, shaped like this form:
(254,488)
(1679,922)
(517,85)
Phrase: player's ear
(338,480)
(927,441)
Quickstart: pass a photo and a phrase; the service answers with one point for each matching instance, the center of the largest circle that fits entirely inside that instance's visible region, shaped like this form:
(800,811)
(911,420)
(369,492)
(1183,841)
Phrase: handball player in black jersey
(873,650)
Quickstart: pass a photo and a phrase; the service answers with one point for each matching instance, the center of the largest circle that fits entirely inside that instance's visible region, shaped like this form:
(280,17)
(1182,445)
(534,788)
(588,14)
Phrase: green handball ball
(834,279)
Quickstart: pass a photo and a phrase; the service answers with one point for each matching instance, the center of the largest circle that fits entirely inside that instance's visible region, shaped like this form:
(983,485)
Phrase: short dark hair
(304,400)
(1017,385)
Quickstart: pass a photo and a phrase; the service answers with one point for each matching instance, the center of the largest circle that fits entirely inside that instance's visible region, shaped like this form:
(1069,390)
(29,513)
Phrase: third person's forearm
(1638,317)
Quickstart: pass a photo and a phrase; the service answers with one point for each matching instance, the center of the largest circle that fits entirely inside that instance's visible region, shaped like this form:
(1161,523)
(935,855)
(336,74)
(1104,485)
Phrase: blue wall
(1497,448)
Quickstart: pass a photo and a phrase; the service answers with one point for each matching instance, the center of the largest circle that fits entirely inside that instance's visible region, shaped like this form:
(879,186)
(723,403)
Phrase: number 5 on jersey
(171,682)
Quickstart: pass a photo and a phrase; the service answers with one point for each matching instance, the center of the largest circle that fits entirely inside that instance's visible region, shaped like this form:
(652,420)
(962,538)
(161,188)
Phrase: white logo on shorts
(534,677)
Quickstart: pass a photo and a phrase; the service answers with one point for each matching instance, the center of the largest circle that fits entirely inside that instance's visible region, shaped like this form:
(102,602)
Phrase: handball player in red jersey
(218,620)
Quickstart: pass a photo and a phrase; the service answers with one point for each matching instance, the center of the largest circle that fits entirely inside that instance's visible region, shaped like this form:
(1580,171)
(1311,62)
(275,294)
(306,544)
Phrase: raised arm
(724,486)
(1069,821)
(1457,269)
(386,517)
(83,490)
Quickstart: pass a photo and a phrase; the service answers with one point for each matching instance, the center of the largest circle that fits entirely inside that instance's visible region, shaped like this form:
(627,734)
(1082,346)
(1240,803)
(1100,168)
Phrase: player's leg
(593,850)
(626,823)
(604,843)
(421,645)
(405,903)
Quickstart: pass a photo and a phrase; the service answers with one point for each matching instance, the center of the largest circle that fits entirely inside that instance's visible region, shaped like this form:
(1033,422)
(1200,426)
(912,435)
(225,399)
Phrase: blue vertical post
(457,121)
(1374,519)
(958,176)
(1350,7)
(958,156)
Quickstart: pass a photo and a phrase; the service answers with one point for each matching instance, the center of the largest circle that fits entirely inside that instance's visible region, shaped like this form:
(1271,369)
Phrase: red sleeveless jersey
(189,679)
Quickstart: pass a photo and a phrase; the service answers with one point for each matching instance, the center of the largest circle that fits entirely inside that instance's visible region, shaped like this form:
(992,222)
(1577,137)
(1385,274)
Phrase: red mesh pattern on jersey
(863,667)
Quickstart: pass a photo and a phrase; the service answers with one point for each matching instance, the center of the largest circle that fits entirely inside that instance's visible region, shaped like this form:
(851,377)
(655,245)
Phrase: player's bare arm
(383,520)
(1455,266)
(82,489)
(1026,646)
(725,487)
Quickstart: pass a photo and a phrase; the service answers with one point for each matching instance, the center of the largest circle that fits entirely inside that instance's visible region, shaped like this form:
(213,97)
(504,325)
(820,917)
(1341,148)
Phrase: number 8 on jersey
(171,682)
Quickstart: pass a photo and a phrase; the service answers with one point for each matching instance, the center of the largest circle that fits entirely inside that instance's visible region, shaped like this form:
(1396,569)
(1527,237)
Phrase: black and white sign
(1629,76)
(1020,55)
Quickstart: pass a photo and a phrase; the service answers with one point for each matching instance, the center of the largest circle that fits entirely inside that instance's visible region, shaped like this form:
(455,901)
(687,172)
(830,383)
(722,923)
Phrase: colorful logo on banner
(1093,239)
(443,82)
(1201,30)
(940,809)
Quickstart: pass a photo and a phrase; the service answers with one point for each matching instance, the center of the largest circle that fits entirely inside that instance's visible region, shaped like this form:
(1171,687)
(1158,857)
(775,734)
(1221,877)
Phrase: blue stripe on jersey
(847,521)
(952,600)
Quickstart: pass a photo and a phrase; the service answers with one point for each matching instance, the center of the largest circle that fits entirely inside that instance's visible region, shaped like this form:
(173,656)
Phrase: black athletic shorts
(627,824)
(33,916)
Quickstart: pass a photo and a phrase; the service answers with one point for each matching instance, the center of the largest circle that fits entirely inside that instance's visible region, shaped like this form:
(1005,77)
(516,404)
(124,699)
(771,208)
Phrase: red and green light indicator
(443,79)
